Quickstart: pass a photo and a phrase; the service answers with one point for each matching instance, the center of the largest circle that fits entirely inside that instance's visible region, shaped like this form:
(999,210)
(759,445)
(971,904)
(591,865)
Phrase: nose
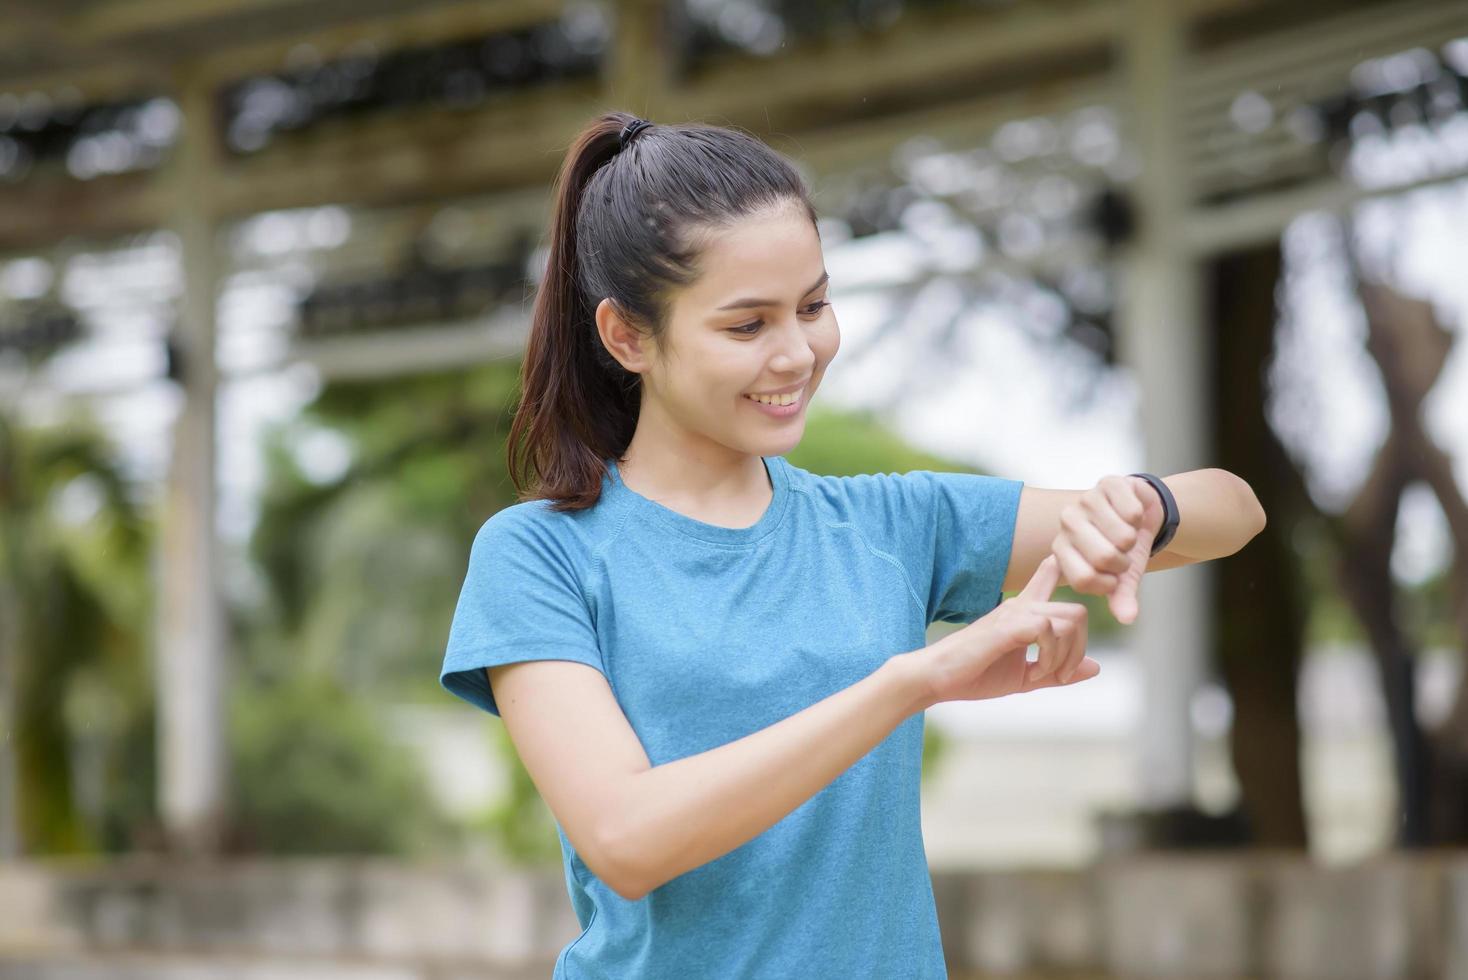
(795,355)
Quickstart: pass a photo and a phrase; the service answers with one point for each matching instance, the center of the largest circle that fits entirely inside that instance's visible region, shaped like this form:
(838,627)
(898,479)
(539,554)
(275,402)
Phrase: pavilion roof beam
(1037,26)
(120,57)
(423,24)
(405,157)
(49,208)
(123,19)
(921,49)
(411,158)
(411,349)
(117,77)
(508,144)
(1262,217)
(40,48)
(27,21)
(1298,55)
(849,145)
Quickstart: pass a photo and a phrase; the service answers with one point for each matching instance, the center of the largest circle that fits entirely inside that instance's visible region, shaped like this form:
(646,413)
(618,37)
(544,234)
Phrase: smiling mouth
(778,401)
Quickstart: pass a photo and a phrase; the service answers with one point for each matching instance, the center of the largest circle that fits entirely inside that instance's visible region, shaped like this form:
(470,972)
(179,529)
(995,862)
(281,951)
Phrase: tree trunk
(1259,593)
(1364,570)
(1410,347)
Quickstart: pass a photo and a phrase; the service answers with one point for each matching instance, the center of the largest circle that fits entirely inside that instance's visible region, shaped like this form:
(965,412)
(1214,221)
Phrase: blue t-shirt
(707,634)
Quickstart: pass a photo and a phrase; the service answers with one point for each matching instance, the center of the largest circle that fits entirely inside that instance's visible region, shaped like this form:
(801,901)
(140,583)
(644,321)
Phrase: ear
(625,342)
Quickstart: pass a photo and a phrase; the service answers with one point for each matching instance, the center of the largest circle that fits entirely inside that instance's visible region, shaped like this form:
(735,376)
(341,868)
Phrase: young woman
(713,662)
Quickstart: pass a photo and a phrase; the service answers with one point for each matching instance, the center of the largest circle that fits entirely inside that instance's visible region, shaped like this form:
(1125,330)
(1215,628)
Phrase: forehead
(774,256)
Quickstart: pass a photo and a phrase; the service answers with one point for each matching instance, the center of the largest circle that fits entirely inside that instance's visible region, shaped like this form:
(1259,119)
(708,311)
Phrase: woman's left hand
(1106,539)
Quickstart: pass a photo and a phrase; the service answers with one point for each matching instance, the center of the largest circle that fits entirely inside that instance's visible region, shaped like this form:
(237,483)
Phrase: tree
(74,598)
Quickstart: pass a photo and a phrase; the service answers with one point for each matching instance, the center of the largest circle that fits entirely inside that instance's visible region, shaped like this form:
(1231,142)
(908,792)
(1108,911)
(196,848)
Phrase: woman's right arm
(637,825)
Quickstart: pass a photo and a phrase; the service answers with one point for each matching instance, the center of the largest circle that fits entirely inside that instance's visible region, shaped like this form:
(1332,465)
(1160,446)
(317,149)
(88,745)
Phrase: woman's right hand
(987,658)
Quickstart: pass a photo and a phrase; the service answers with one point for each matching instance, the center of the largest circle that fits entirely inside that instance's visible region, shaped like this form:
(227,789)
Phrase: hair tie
(630,131)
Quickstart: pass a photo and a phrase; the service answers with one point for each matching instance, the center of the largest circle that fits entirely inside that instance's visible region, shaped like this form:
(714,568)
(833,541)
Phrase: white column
(190,661)
(1161,340)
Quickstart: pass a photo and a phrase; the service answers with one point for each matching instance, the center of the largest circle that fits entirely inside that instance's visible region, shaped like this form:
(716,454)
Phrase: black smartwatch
(1169,511)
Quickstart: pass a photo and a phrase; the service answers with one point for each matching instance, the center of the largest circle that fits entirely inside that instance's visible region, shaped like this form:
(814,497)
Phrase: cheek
(720,370)
(827,343)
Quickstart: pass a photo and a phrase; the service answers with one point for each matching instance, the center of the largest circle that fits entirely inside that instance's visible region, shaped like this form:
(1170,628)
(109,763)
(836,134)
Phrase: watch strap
(1169,511)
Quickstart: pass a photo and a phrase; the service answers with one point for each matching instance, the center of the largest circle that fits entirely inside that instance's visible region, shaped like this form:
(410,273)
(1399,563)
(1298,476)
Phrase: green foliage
(314,774)
(362,572)
(361,576)
(74,599)
(935,747)
(850,443)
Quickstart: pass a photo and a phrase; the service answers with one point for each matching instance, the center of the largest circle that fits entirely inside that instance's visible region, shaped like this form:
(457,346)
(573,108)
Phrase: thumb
(1124,601)
(1043,582)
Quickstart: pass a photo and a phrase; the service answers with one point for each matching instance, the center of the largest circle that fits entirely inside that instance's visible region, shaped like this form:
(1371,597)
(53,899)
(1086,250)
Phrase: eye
(750,329)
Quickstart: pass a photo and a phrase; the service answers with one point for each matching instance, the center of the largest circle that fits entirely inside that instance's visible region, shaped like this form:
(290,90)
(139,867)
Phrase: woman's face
(756,322)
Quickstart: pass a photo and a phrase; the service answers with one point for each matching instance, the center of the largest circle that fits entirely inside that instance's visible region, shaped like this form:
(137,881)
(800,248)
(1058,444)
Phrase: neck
(663,462)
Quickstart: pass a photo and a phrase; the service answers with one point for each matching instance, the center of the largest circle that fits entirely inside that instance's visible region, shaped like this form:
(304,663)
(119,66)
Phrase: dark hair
(628,226)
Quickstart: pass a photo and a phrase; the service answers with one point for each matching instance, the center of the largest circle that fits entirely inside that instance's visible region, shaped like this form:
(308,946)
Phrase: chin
(785,441)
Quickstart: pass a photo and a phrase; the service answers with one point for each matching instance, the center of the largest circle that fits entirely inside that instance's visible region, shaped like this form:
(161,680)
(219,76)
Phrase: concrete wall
(1264,915)
(1230,917)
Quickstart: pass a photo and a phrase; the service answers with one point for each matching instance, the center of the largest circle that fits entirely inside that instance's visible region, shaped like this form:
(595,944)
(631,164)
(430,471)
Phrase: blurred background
(265,269)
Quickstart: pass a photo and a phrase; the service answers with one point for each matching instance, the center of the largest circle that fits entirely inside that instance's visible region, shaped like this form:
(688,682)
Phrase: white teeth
(786,399)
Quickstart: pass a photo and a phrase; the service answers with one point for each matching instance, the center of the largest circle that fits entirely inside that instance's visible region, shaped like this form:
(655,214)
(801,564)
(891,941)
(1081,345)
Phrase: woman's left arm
(1103,536)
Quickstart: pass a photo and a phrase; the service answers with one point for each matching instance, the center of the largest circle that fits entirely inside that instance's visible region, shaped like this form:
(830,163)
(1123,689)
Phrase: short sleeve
(958,530)
(521,600)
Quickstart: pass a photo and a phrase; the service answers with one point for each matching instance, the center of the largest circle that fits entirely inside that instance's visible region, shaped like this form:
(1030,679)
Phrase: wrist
(909,681)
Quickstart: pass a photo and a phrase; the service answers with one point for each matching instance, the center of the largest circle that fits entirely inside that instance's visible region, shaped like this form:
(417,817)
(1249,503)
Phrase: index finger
(1044,581)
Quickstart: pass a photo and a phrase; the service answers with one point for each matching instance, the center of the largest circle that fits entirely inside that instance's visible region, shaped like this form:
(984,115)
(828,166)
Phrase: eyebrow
(774,302)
